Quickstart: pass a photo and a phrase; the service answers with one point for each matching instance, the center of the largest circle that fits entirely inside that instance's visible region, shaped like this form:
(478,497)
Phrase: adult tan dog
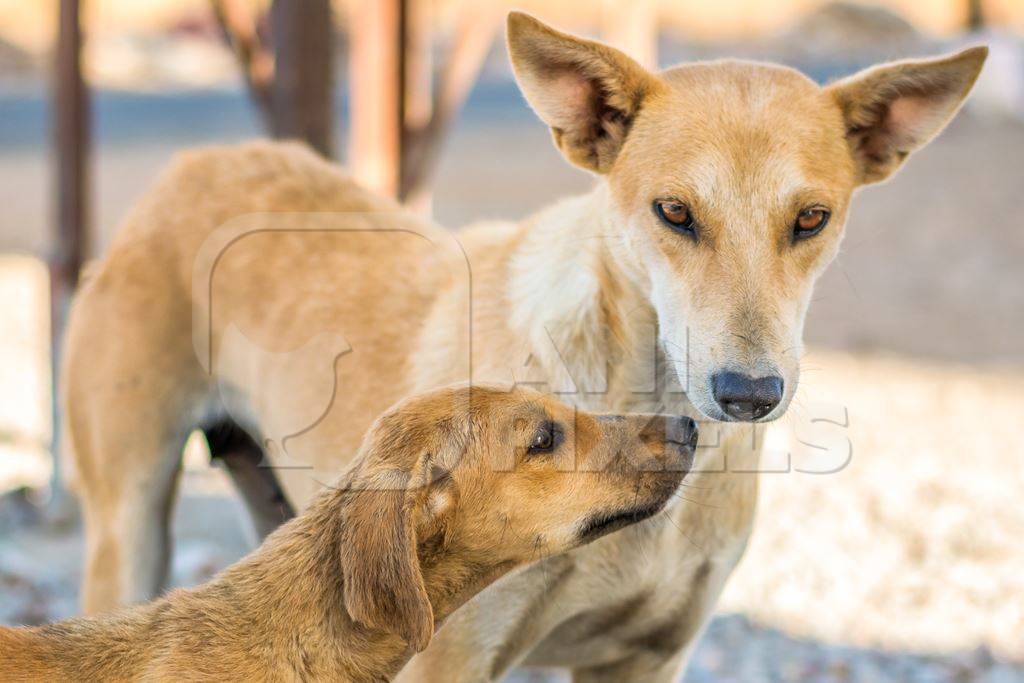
(451,490)
(257,292)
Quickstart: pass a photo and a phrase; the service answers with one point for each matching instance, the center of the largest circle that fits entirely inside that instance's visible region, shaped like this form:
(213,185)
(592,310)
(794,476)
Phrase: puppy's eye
(676,215)
(810,222)
(546,439)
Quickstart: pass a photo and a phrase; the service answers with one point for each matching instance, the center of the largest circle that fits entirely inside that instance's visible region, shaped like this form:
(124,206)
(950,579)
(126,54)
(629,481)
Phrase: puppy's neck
(452,572)
(301,570)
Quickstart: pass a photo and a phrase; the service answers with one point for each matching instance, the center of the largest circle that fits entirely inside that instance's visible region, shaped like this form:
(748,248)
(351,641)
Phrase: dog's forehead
(739,81)
(739,129)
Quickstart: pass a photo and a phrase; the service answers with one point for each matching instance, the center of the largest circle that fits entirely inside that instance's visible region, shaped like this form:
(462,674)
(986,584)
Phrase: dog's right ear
(588,93)
(383,585)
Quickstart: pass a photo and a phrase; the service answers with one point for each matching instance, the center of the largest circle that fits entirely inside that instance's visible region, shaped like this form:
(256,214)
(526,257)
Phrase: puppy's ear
(382,581)
(894,109)
(588,93)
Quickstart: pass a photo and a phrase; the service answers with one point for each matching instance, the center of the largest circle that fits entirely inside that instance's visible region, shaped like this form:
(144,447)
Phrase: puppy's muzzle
(676,438)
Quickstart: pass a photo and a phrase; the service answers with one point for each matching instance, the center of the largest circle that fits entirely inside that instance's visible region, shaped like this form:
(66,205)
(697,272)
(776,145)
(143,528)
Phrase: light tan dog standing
(451,490)
(258,293)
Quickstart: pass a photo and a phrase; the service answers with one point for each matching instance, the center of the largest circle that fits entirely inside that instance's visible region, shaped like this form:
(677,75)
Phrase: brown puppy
(451,490)
(258,289)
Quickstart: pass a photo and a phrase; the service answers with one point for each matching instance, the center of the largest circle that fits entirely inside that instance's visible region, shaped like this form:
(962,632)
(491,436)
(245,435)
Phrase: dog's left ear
(588,93)
(383,585)
(894,109)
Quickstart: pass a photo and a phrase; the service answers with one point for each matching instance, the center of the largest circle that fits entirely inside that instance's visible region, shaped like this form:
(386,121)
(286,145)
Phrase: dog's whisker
(684,534)
(683,498)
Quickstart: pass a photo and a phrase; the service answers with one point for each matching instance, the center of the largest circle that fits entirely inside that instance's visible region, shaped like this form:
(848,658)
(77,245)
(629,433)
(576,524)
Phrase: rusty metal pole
(301,99)
(71,124)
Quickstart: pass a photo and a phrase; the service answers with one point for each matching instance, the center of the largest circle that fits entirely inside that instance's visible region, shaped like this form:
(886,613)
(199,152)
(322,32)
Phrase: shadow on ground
(736,650)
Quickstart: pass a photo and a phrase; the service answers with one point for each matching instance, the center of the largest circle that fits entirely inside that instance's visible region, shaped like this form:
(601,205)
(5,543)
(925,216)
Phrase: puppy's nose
(682,431)
(746,398)
(672,440)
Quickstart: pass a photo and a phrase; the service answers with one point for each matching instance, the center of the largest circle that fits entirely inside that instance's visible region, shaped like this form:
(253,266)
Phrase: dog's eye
(676,215)
(545,440)
(810,222)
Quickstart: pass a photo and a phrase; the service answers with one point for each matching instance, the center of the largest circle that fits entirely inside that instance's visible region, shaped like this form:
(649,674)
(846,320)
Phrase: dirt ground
(905,565)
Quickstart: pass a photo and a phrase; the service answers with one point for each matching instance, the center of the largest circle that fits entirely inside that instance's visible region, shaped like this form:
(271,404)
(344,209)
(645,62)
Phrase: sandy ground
(905,565)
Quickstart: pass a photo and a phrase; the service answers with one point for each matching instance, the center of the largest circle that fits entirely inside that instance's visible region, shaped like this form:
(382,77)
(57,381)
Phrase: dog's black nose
(745,398)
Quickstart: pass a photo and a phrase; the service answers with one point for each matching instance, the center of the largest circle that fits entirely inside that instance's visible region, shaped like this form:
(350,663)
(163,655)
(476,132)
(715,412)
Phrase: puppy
(451,490)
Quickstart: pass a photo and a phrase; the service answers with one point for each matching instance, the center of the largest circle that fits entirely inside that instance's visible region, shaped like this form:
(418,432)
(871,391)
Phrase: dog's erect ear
(587,92)
(383,585)
(893,109)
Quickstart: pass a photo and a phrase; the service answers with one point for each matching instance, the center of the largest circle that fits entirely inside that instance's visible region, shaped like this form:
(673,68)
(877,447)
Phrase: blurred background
(906,565)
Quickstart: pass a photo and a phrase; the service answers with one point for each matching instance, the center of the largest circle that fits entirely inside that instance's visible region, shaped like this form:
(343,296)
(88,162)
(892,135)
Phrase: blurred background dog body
(257,292)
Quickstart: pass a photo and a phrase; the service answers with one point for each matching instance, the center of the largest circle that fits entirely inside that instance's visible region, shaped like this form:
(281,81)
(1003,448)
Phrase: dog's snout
(746,398)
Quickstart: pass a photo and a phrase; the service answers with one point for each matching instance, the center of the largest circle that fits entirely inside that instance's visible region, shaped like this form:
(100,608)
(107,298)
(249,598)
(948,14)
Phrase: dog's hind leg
(130,387)
(244,459)
(128,457)
(127,521)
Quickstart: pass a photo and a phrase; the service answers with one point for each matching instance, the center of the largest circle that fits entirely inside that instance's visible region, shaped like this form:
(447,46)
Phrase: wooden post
(375,109)
(301,100)
(71,124)
(397,124)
